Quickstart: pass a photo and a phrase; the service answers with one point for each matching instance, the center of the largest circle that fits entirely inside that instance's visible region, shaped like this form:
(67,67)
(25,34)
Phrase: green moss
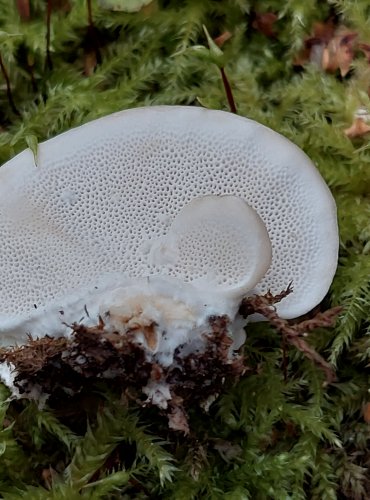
(267,437)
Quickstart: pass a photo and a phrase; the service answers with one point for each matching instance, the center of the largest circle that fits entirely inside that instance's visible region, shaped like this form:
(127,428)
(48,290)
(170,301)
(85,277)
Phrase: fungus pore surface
(102,195)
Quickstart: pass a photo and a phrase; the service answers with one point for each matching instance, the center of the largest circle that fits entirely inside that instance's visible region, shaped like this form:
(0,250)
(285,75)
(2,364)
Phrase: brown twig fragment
(48,61)
(247,307)
(23,7)
(293,334)
(33,79)
(93,33)
(284,363)
(324,319)
(8,88)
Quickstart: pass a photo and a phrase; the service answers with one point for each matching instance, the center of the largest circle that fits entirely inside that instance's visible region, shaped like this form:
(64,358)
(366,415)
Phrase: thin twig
(33,79)
(93,33)
(229,92)
(284,364)
(31,71)
(48,62)
(8,88)
(89,13)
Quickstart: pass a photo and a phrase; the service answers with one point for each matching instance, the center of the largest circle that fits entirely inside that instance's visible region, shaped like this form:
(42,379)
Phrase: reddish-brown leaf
(323,32)
(224,37)
(264,23)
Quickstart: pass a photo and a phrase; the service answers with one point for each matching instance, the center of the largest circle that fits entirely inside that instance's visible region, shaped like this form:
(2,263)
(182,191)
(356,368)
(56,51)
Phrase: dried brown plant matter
(293,333)
(67,366)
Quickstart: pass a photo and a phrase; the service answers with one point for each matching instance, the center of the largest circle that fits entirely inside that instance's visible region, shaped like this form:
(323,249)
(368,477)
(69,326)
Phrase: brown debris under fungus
(65,367)
(57,366)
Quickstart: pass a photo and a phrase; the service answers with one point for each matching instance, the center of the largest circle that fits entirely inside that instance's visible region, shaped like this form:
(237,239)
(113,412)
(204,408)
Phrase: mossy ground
(270,436)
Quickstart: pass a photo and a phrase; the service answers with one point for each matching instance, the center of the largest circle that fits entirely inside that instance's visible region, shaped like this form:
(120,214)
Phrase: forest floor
(301,68)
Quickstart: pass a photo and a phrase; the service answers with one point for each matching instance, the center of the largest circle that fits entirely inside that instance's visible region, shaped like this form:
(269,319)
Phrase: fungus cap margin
(219,244)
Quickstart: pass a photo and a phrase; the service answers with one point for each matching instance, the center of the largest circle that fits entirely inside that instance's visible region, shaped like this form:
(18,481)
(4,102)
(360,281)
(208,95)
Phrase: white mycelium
(103,200)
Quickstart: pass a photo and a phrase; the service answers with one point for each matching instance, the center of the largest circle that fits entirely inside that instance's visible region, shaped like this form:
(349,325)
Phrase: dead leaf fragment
(366,413)
(90,63)
(227,450)
(264,23)
(48,476)
(324,32)
(339,53)
(358,128)
(62,5)
(221,39)
(177,420)
(329,47)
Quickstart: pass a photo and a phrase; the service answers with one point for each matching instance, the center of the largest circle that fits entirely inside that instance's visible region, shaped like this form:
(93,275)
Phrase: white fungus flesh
(103,195)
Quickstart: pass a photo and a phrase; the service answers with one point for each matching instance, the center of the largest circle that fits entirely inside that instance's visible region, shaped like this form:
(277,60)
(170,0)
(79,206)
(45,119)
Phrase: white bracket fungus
(128,196)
